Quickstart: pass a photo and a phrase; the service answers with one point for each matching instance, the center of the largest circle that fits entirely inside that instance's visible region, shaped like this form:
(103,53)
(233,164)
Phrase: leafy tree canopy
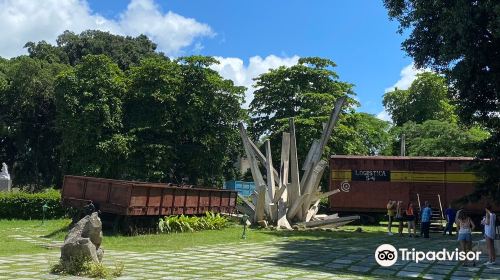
(89,105)
(441,138)
(461,39)
(184,119)
(28,138)
(425,99)
(71,48)
(307,91)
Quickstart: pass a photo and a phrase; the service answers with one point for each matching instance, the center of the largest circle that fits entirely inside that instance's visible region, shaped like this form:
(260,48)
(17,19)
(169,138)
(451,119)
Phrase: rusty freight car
(131,203)
(367,182)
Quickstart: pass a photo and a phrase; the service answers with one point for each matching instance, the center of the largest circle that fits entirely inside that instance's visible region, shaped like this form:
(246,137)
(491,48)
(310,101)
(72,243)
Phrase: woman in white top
(465,227)
(489,234)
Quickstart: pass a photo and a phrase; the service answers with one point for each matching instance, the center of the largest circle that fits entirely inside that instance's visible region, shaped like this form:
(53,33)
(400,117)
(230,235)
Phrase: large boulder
(84,240)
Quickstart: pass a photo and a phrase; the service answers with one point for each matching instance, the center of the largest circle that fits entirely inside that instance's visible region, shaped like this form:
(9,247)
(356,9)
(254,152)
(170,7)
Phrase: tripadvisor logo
(387,255)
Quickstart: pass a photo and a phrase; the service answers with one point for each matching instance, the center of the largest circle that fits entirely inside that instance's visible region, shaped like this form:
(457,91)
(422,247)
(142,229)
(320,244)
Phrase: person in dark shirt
(449,215)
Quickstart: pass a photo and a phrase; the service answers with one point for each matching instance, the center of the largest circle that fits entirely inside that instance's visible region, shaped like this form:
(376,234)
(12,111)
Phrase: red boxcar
(367,182)
(129,198)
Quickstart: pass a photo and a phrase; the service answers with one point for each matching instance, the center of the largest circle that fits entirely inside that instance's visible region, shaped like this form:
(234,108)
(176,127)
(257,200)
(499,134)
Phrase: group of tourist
(395,212)
(461,218)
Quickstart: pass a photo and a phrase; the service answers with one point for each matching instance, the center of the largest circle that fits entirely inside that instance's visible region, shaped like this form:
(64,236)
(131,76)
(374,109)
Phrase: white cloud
(234,68)
(36,20)
(407,75)
(384,115)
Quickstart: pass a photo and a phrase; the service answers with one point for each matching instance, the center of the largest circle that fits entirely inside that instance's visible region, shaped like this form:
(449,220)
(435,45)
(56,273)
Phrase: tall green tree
(425,99)
(300,89)
(27,120)
(441,138)
(149,109)
(71,48)
(183,118)
(89,118)
(205,123)
(306,91)
(370,135)
(461,39)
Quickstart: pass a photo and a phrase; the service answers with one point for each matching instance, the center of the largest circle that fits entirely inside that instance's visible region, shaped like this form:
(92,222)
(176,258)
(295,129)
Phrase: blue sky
(247,36)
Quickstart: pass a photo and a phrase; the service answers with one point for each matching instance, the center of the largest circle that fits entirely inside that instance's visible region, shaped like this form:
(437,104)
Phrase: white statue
(4,174)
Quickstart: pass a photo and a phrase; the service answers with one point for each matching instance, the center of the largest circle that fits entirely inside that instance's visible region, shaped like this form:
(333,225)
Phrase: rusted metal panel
(74,187)
(119,194)
(144,199)
(179,200)
(97,191)
(204,203)
(154,201)
(167,201)
(367,183)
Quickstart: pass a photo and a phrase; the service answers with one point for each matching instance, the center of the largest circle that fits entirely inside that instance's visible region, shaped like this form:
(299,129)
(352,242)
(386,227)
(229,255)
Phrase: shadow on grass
(57,232)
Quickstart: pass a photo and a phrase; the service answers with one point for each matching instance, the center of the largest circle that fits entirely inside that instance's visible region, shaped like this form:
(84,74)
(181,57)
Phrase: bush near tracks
(27,206)
(183,223)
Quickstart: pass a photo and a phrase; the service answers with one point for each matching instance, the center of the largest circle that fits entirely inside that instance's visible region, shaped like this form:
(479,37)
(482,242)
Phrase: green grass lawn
(57,229)
(10,245)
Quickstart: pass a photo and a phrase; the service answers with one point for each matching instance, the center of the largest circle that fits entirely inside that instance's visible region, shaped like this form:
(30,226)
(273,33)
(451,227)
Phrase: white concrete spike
(271,188)
(293,189)
(312,211)
(310,185)
(296,206)
(269,169)
(261,206)
(281,193)
(262,158)
(309,156)
(282,220)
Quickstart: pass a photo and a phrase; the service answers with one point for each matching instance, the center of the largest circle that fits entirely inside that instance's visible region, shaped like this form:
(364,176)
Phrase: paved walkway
(319,259)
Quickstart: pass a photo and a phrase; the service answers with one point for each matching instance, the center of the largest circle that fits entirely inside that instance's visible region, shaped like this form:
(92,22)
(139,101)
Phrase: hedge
(26,206)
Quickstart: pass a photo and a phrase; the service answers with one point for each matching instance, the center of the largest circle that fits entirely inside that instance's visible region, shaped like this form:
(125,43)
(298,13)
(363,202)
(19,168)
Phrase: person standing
(456,217)
(426,219)
(410,217)
(450,215)
(391,212)
(399,217)
(465,227)
(489,234)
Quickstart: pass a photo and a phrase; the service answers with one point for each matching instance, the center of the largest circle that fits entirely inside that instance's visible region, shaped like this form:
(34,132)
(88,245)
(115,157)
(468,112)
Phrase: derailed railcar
(367,182)
(130,204)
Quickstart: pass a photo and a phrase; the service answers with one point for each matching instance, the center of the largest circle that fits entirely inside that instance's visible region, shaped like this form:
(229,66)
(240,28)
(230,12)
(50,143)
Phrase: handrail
(419,206)
(441,207)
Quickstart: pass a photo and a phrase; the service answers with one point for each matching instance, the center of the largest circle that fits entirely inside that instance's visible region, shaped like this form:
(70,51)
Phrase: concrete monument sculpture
(280,202)
(5,181)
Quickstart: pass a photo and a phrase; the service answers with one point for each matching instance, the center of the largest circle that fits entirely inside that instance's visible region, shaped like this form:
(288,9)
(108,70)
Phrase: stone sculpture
(4,174)
(5,182)
(84,240)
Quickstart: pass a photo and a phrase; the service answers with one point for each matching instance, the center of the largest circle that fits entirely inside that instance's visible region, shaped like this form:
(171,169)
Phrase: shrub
(85,267)
(183,223)
(22,205)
